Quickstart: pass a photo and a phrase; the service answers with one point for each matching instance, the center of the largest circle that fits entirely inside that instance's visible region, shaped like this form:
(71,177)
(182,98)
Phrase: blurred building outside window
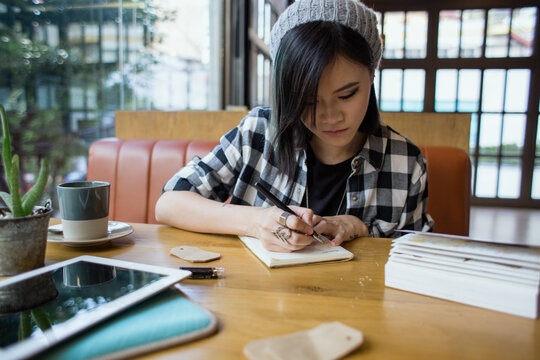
(67,66)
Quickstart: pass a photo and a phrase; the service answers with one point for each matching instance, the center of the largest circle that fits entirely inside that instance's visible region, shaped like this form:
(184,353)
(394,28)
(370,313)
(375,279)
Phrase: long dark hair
(303,54)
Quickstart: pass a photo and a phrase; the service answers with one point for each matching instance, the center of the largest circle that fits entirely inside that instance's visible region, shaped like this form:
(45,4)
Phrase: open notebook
(315,253)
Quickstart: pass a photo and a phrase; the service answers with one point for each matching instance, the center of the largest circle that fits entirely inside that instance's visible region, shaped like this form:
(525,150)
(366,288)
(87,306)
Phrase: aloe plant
(19,205)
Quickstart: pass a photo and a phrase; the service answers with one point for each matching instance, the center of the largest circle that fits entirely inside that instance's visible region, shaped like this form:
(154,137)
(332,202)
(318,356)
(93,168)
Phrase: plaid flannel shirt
(387,187)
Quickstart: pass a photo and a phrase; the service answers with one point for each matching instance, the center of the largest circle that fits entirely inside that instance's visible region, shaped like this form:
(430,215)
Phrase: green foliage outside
(36,135)
(36,79)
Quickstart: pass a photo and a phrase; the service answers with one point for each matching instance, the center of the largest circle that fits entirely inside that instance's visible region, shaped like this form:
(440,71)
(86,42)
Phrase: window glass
(497,32)
(445,90)
(490,134)
(391,89)
(168,98)
(509,178)
(379,21)
(267,78)
(260,19)
(538,138)
(522,34)
(413,89)
(416,34)
(267,69)
(517,90)
(469,90)
(496,93)
(74,63)
(198,88)
(473,173)
(472,33)
(263,80)
(486,177)
(183,47)
(473,133)
(376,84)
(493,90)
(449,32)
(536,180)
(46,94)
(76,97)
(394,33)
(513,134)
(109,42)
(260,79)
(267,22)
(47,33)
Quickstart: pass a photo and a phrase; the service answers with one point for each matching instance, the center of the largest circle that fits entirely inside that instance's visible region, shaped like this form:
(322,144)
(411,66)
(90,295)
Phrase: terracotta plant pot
(22,243)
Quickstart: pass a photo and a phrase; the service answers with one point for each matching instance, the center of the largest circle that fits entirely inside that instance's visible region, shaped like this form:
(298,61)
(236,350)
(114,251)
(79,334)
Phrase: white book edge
(508,297)
(528,254)
(458,270)
(451,236)
(404,247)
(313,254)
(467,263)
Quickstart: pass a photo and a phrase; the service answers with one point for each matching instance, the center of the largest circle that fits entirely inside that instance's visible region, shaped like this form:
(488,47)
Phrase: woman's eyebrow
(346,86)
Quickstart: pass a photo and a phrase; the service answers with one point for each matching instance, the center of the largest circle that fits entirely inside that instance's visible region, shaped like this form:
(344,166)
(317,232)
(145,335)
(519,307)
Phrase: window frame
(432,63)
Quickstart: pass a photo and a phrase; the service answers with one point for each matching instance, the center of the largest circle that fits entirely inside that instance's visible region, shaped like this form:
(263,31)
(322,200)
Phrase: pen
(274,200)
(198,272)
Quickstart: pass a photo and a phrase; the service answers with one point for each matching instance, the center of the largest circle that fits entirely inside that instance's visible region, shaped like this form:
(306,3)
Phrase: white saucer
(116,230)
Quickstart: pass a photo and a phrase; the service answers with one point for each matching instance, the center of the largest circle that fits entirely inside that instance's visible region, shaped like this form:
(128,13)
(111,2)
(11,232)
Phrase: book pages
(315,253)
(494,276)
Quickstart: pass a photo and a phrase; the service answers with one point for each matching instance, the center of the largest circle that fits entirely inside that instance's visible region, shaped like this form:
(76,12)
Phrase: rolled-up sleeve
(214,175)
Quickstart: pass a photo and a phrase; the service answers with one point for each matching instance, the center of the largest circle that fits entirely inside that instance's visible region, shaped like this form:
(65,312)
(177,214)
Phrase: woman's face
(341,104)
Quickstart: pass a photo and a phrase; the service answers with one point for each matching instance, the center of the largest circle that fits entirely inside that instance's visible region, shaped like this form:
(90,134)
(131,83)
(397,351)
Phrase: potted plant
(23,225)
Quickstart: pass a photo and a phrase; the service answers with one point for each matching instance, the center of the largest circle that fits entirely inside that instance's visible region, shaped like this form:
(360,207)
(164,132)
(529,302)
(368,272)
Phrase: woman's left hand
(341,228)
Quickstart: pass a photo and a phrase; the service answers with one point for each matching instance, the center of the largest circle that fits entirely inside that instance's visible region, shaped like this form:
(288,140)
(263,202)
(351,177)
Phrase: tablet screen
(38,311)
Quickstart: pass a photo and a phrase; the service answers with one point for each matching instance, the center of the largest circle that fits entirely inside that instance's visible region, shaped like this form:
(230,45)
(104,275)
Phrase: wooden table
(254,302)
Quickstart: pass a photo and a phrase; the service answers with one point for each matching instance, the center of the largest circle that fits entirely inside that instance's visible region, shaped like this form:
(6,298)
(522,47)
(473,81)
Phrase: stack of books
(502,277)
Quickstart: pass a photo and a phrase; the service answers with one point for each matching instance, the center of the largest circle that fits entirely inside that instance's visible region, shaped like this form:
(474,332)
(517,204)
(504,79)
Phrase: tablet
(42,307)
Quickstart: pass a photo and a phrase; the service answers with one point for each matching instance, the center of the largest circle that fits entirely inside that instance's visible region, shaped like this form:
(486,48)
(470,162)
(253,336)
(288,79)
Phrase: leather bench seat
(138,169)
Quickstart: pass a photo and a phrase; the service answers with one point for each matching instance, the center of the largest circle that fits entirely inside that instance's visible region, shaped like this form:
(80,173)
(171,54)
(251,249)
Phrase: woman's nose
(329,114)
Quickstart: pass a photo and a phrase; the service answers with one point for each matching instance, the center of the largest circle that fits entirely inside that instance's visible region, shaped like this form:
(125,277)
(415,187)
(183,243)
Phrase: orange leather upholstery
(167,157)
(138,169)
(132,170)
(449,188)
(102,160)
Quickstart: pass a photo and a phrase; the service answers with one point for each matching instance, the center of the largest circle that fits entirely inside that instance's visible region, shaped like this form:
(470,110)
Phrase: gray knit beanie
(350,13)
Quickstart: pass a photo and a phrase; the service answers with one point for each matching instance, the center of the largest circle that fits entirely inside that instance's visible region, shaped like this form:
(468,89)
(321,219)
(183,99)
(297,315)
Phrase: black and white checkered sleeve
(409,192)
(224,168)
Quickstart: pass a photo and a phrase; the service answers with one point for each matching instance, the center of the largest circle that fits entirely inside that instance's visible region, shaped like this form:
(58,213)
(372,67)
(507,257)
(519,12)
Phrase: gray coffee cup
(84,208)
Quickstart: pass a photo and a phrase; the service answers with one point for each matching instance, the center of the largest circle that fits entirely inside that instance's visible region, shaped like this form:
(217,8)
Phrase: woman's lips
(335,132)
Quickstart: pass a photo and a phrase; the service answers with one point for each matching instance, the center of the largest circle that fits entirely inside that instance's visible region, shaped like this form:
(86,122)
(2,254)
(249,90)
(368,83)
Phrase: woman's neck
(330,155)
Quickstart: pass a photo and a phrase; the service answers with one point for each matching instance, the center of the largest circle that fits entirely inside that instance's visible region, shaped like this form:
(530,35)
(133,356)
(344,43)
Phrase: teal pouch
(163,320)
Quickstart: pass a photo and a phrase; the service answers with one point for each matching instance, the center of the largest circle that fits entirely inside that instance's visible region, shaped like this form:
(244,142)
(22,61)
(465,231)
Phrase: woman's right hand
(293,233)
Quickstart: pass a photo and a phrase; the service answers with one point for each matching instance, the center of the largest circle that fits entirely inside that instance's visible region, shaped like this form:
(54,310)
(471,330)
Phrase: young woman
(322,149)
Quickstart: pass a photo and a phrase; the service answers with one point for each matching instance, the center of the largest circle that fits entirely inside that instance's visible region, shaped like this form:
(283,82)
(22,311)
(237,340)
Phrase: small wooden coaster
(324,342)
(194,254)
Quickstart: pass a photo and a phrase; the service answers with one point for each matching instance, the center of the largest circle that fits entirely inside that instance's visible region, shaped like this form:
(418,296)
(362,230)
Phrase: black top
(326,185)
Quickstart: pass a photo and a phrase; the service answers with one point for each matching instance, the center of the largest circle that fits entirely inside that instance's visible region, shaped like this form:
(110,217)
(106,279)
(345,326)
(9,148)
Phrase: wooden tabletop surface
(254,302)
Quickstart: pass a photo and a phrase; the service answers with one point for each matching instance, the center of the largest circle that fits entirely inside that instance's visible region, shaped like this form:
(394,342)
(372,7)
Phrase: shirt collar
(374,148)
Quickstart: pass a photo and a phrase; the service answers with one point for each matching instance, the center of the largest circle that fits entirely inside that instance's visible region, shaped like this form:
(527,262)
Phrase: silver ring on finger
(283,218)
(282,233)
